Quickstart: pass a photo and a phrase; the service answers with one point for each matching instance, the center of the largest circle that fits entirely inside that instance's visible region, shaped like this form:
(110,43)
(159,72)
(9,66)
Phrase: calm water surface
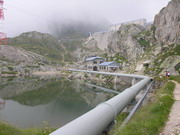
(27,102)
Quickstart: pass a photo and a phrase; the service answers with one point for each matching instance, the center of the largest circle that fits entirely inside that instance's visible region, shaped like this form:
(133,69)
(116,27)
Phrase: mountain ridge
(140,49)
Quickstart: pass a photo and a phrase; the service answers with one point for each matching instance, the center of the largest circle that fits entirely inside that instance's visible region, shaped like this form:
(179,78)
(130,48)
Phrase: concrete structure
(116,27)
(109,66)
(98,119)
(92,63)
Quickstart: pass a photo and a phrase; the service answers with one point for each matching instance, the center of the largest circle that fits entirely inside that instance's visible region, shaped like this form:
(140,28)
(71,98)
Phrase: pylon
(3,36)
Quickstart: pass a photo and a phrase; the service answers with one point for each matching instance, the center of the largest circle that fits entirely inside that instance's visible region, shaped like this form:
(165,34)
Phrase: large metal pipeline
(98,119)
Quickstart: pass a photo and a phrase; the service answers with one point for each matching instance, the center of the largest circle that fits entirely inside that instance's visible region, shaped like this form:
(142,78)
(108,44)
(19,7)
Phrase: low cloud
(39,15)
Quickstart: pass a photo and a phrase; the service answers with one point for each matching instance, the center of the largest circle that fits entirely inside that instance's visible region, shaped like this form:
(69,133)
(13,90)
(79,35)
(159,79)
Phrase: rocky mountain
(123,42)
(34,51)
(57,51)
(167,24)
(139,48)
(126,44)
(144,48)
(167,40)
(42,44)
(19,55)
(17,61)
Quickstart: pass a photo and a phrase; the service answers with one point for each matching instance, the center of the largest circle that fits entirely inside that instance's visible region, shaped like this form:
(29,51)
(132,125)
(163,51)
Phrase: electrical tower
(3,36)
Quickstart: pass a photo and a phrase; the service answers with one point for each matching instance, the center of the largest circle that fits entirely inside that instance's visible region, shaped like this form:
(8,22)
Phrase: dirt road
(173,125)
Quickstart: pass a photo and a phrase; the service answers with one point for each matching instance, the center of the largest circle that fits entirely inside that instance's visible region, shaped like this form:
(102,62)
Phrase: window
(95,62)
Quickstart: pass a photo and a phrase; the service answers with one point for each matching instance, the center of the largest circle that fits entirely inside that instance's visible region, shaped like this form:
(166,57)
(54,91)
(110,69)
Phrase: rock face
(119,42)
(101,39)
(17,61)
(14,54)
(122,42)
(167,24)
(169,64)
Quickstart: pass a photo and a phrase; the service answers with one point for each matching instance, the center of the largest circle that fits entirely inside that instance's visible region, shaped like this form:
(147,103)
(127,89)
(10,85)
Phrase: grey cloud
(28,15)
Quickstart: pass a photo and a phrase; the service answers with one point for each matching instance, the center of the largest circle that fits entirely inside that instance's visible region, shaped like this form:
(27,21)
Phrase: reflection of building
(92,63)
(2,104)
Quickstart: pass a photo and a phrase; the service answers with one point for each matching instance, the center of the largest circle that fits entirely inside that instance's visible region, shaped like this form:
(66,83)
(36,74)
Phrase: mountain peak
(36,35)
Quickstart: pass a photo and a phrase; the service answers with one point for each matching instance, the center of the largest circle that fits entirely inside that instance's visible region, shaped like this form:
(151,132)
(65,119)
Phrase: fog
(52,16)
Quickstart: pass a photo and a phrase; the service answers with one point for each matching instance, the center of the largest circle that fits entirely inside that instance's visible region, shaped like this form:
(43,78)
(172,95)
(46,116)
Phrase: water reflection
(27,102)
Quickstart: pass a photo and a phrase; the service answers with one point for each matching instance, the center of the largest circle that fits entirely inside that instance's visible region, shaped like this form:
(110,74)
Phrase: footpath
(173,125)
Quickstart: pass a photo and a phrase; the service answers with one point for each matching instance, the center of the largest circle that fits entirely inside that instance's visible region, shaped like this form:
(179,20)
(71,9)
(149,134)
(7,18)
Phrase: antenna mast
(3,36)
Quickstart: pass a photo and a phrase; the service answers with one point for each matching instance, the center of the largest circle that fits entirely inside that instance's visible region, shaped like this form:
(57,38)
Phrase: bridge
(98,119)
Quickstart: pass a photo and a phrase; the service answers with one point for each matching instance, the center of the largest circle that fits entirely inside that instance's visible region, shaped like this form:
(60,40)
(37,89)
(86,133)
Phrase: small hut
(92,63)
(109,66)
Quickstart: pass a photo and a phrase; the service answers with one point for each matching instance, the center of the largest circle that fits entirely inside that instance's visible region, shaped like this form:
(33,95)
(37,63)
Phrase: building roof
(106,63)
(93,58)
(109,64)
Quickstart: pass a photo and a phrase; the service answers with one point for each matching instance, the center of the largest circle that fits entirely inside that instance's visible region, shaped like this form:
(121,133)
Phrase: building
(92,63)
(109,66)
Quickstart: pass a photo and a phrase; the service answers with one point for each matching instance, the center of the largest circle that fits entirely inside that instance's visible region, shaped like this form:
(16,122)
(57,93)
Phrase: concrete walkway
(173,125)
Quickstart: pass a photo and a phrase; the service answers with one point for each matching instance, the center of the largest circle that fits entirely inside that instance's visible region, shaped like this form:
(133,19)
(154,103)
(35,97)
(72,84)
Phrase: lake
(29,102)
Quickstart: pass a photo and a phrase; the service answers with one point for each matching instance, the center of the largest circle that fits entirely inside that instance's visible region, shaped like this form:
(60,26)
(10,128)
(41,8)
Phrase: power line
(29,13)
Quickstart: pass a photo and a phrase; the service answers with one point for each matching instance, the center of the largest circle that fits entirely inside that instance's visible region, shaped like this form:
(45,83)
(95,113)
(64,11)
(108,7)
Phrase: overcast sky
(29,15)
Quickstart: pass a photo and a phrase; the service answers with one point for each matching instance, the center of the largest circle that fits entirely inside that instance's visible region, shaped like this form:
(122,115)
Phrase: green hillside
(45,45)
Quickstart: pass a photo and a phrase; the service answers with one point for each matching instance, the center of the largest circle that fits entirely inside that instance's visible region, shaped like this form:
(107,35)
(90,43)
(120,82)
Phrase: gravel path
(173,125)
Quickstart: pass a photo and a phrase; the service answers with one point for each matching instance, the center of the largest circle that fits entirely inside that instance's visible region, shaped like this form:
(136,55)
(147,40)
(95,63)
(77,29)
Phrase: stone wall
(117,26)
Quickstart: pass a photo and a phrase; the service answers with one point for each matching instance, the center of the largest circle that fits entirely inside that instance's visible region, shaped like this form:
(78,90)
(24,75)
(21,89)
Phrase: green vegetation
(176,78)
(9,72)
(150,119)
(6,129)
(143,38)
(10,68)
(47,46)
(33,66)
(117,57)
(120,118)
(153,29)
(50,53)
(72,45)
(143,42)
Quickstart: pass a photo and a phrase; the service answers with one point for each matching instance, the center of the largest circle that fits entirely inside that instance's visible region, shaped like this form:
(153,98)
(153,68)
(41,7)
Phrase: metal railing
(98,119)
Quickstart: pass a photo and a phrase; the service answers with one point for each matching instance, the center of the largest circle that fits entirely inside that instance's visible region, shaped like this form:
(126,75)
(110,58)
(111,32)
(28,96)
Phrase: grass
(176,78)
(9,72)
(143,42)
(6,129)
(119,119)
(150,119)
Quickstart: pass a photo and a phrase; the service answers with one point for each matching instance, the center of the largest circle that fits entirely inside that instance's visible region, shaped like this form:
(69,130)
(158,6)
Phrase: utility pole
(3,36)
